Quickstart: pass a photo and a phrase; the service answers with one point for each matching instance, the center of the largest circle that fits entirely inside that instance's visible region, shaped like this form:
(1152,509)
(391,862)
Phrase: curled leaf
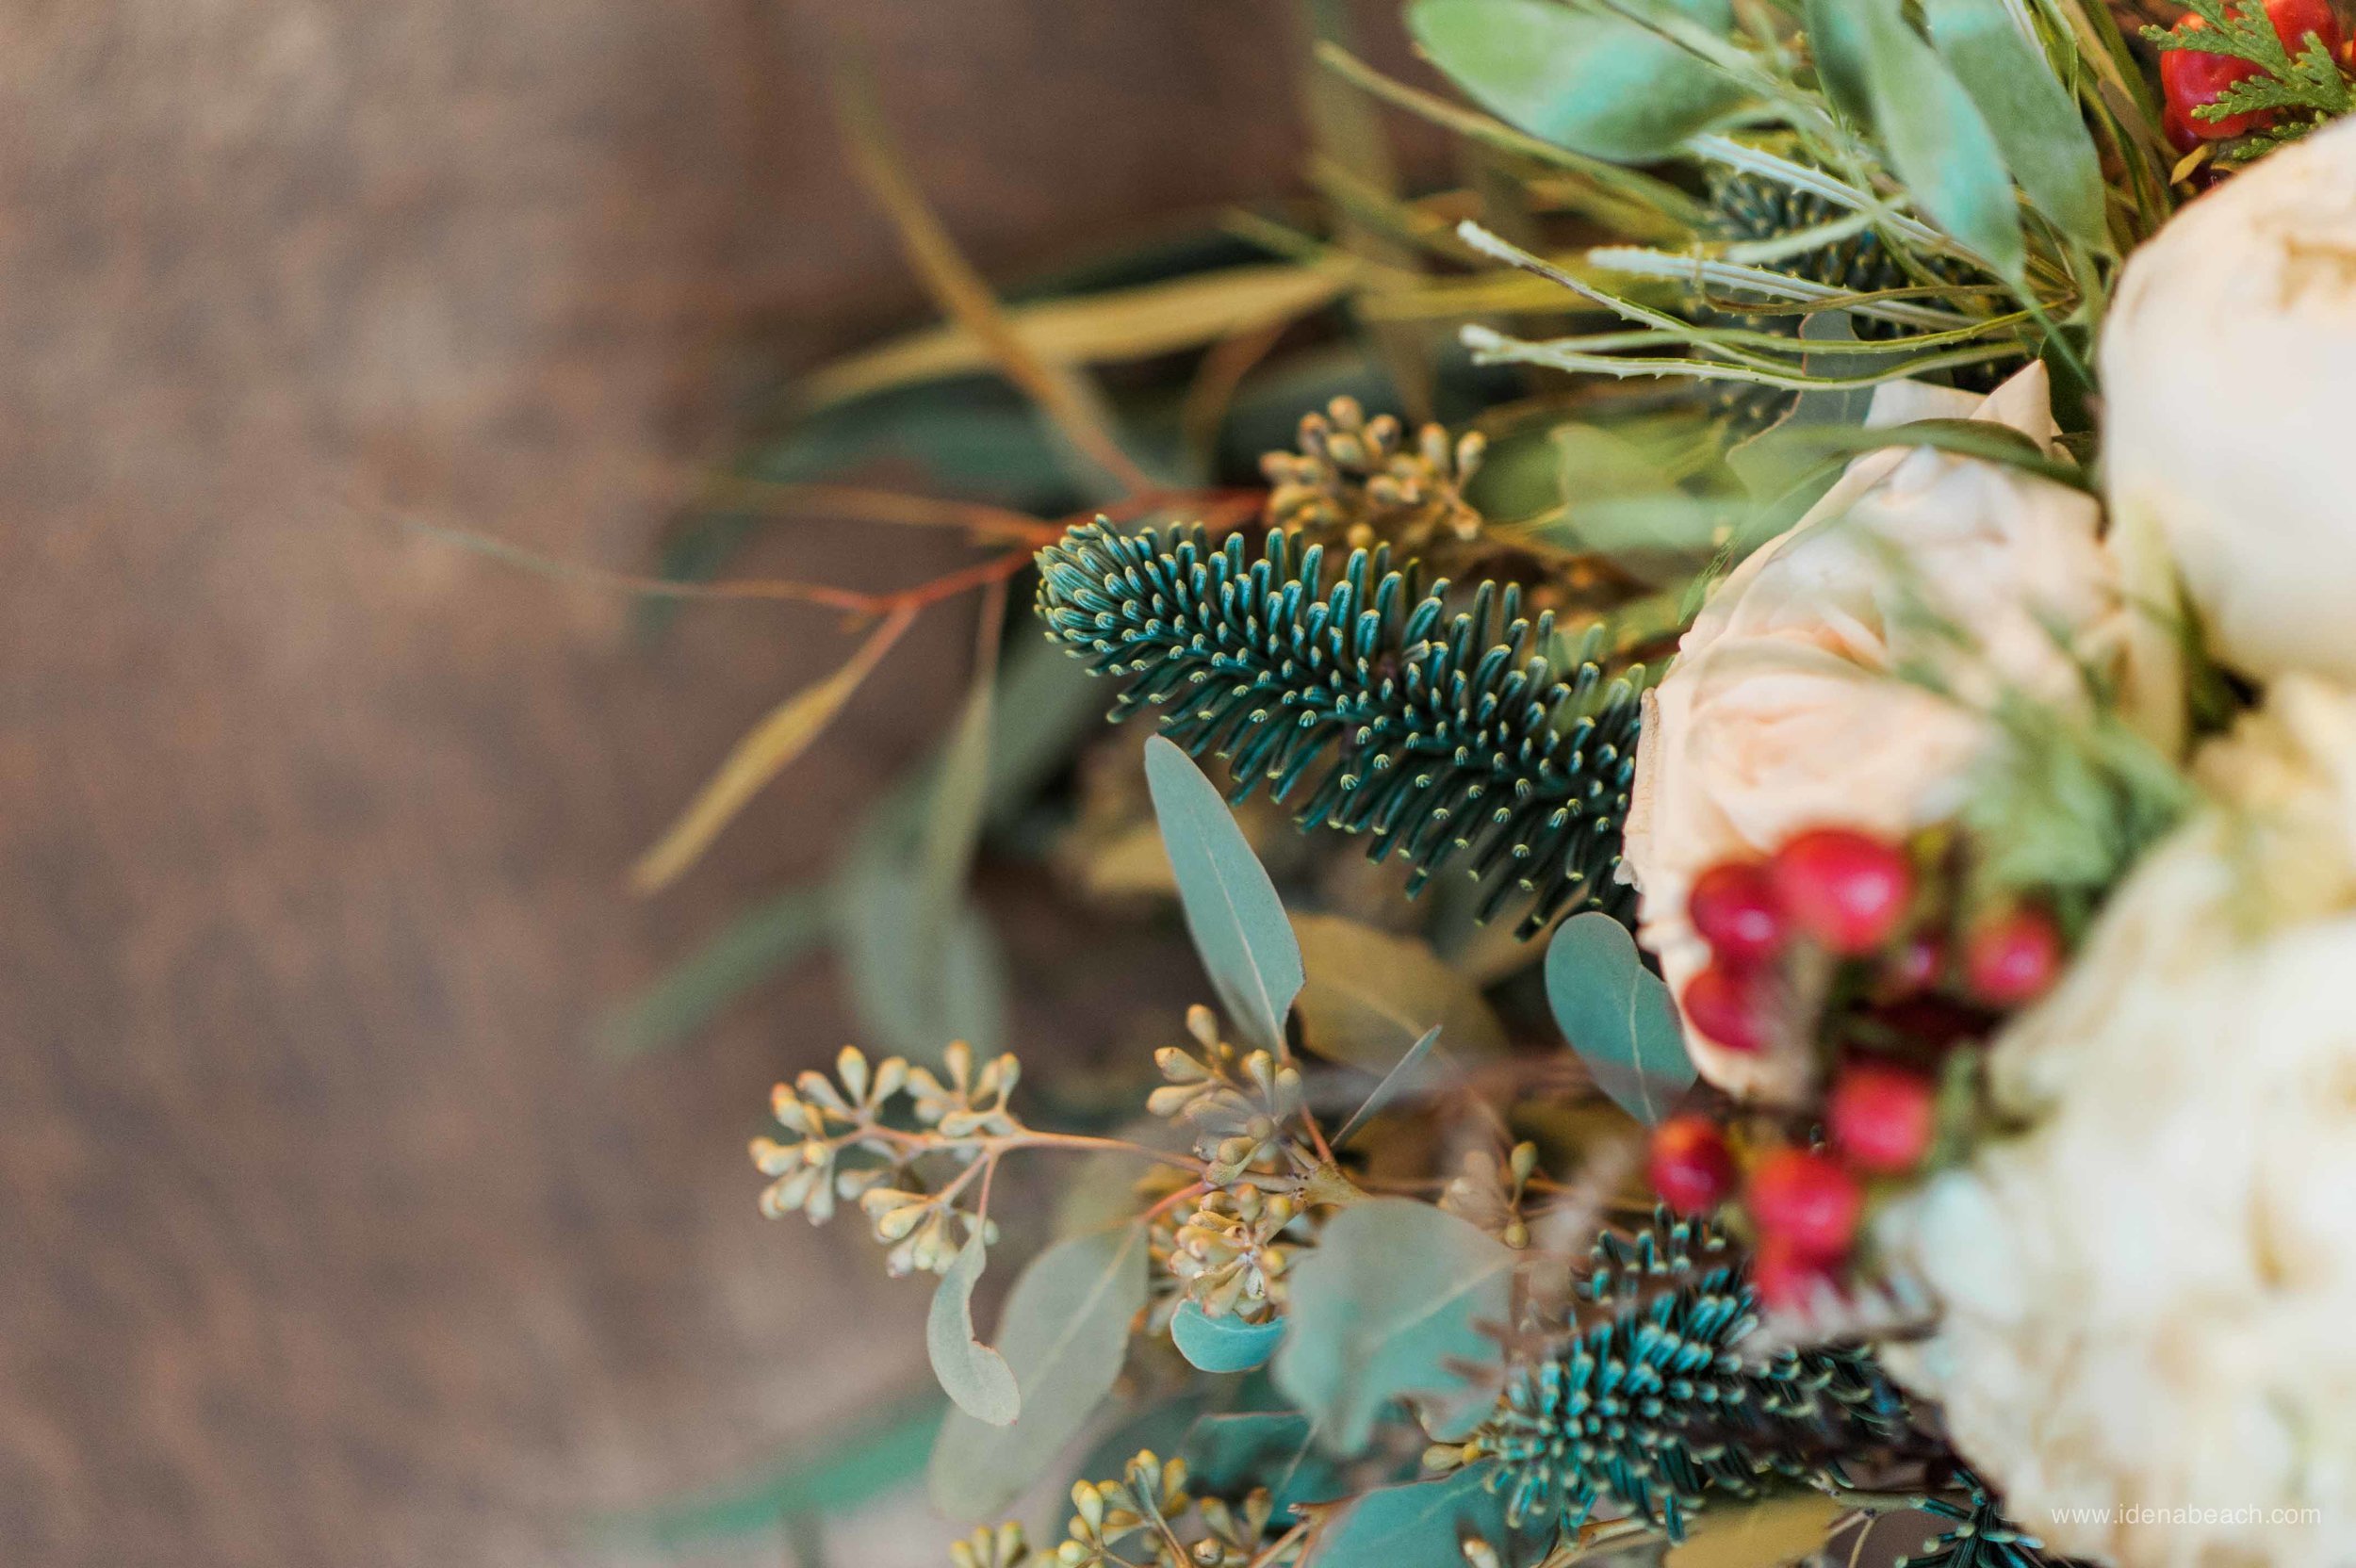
(1223,1344)
(973,1374)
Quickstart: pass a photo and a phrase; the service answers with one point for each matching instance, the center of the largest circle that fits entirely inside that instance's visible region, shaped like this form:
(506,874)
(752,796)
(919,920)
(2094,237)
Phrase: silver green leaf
(1586,79)
(1066,1331)
(1407,1074)
(2035,121)
(1223,1344)
(1232,909)
(971,1373)
(1617,1015)
(1388,1301)
(1937,141)
(1837,42)
(1428,1522)
(1371,994)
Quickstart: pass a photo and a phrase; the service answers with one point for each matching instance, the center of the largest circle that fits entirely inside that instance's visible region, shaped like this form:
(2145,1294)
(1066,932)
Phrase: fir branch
(1649,1402)
(1441,736)
(1978,1535)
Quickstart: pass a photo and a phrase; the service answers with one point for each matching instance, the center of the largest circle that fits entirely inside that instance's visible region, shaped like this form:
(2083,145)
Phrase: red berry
(1733,906)
(1807,1199)
(1881,1116)
(1912,968)
(1786,1279)
(1728,1004)
(2013,958)
(1692,1167)
(2192,78)
(1847,890)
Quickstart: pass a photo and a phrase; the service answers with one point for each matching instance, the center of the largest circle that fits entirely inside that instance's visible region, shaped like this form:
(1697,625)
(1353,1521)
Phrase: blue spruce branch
(1444,736)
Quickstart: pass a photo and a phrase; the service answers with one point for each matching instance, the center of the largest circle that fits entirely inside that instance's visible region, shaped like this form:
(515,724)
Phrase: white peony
(2228,378)
(1783,711)
(2148,1294)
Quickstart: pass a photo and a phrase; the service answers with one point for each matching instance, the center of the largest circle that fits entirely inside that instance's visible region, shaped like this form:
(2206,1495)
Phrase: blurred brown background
(323,1237)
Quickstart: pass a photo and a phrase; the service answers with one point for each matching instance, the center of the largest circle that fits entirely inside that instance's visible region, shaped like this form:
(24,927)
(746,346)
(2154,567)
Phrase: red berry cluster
(2191,79)
(1878,935)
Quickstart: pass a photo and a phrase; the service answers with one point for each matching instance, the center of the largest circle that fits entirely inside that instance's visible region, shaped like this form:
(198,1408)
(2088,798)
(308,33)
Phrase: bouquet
(1907,755)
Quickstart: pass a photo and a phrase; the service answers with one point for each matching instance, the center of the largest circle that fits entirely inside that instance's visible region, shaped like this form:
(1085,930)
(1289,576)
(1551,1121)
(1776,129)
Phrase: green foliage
(1391,1299)
(2035,120)
(1370,995)
(1439,734)
(1585,77)
(1424,1523)
(1066,1335)
(1394,1082)
(2307,85)
(2063,810)
(1226,1344)
(1230,1455)
(1937,139)
(1652,1406)
(1618,1015)
(1232,909)
(973,1374)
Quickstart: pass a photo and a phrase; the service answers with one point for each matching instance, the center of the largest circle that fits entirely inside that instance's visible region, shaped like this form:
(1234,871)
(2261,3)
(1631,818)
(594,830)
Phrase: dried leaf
(760,756)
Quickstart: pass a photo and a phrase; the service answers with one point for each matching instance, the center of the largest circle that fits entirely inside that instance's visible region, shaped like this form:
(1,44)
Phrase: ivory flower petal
(2228,375)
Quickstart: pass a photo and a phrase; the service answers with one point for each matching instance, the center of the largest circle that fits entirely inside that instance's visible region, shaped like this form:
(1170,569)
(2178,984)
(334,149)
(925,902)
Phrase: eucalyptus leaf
(1065,1332)
(1223,1344)
(1939,143)
(1370,994)
(1229,1456)
(1593,82)
(1617,1015)
(2045,143)
(1232,909)
(1406,1075)
(1426,1523)
(1390,1299)
(971,1373)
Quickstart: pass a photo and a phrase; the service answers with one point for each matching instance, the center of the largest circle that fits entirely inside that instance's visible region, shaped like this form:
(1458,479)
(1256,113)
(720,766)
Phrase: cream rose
(1784,709)
(2229,380)
(2145,1341)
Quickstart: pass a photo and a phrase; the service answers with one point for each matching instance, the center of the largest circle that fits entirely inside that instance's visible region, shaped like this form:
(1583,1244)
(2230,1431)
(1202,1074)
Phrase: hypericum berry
(1691,1166)
(2190,78)
(1807,1199)
(1912,967)
(1733,906)
(1882,1118)
(1847,890)
(1728,1004)
(1787,1278)
(2012,959)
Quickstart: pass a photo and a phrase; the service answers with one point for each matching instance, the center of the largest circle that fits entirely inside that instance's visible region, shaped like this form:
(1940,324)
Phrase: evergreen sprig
(1653,1403)
(1443,735)
(1977,1534)
(2309,81)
